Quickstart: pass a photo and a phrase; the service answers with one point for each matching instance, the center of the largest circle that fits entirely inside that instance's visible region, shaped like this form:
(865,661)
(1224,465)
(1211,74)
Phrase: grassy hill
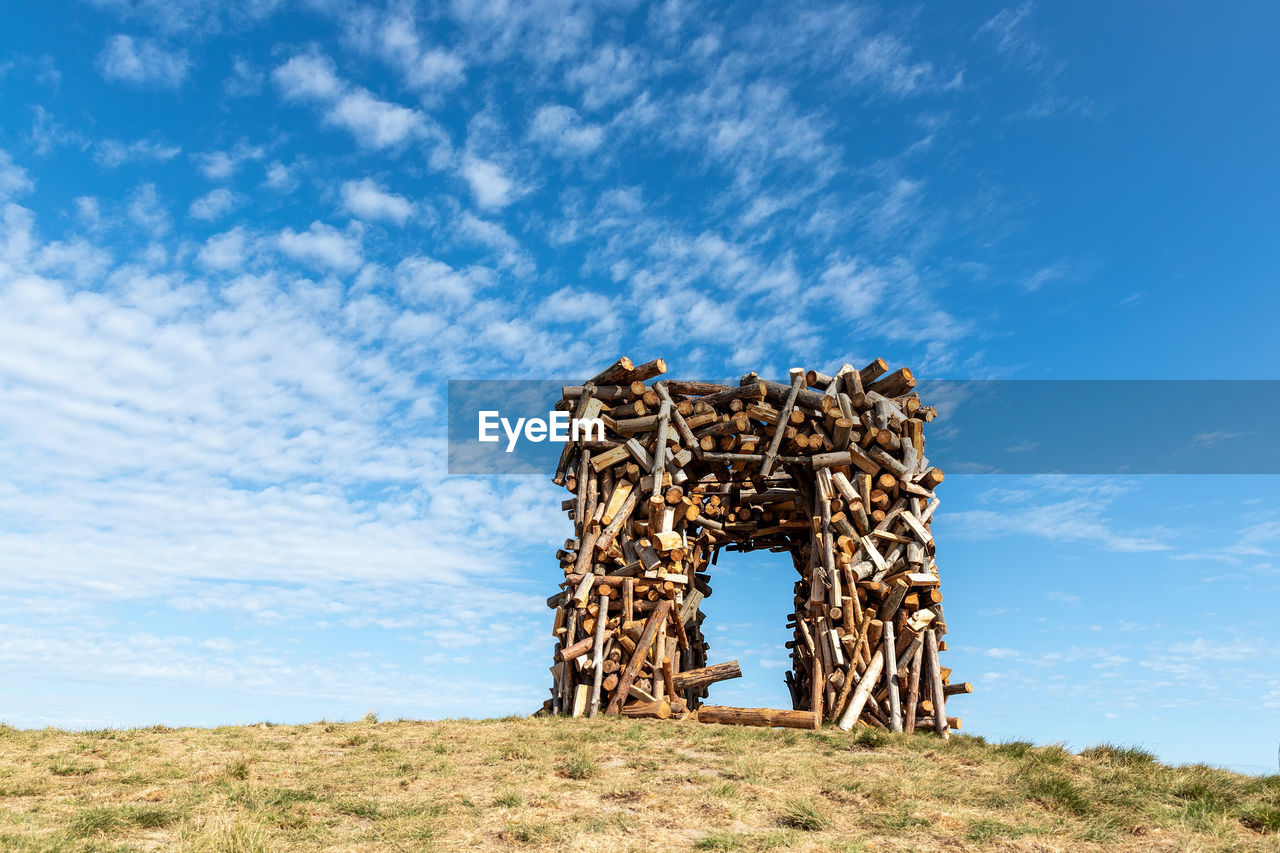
(607,784)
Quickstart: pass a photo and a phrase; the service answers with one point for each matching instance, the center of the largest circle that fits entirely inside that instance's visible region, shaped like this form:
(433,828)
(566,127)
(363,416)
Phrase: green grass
(801,814)
(509,800)
(579,767)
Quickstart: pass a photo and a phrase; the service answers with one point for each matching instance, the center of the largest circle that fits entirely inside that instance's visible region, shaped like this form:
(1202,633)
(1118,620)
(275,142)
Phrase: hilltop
(607,784)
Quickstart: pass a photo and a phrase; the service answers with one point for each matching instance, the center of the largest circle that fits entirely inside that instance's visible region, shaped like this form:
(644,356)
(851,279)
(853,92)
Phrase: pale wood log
(566,453)
(597,654)
(891,677)
(913,686)
(657,709)
(638,453)
(936,689)
(862,460)
(605,538)
(660,450)
(863,692)
(609,458)
(580,694)
(764,717)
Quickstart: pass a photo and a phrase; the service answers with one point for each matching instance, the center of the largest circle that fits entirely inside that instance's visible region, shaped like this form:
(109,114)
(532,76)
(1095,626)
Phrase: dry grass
(604,785)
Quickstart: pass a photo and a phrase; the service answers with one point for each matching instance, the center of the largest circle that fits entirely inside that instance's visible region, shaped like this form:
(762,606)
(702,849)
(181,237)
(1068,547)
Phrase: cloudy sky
(243,247)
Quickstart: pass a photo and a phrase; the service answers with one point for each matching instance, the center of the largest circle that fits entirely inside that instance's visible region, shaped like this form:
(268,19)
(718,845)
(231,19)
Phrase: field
(607,784)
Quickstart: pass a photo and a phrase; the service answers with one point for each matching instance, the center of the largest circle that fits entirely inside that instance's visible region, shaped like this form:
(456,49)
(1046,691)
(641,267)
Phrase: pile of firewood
(828,468)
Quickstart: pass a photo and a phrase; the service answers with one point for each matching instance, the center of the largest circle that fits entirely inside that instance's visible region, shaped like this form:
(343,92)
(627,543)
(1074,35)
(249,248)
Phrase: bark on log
(656,618)
(703,676)
(764,717)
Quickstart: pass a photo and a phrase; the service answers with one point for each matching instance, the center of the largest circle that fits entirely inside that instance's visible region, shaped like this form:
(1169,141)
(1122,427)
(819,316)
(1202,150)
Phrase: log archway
(828,468)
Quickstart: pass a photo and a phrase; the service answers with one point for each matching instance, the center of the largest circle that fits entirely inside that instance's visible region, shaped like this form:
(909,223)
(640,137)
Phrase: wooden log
(682,427)
(660,451)
(777,393)
(931,478)
(656,618)
(863,692)
(566,453)
(891,677)
(872,371)
(797,382)
(703,676)
(763,717)
(605,538)
(597,654)
(575,651)
(748,391)
(650,369)
(657,709)
(614,374)
(580,694)
(894,384)
(685,388)
(913,688)
(668,678)
(936,689)
(957,689)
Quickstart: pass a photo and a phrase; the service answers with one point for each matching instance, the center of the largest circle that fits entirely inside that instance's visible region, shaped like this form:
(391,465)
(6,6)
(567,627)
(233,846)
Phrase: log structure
(830,469)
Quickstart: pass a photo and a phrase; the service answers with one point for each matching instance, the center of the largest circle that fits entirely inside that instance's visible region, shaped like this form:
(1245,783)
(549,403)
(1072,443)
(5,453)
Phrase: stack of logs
(830,468)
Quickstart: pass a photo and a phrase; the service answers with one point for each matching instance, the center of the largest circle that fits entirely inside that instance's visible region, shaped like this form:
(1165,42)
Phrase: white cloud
(111,154)
(219,165)
(427,282)
(1079,520)
(322,246)
(148,212)
(214,204)
(375,123)
(142,62)
(280,177)
(609,76)
(14,179)
(88,212)
(367,200)
(394,38)
(308,78)
(562,130)
(494,236)
(491,188)
(245,80)
(1010,32)
(884,60)
(225,251)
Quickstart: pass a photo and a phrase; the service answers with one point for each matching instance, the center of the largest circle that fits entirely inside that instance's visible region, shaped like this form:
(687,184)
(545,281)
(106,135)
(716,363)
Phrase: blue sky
(243,246)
